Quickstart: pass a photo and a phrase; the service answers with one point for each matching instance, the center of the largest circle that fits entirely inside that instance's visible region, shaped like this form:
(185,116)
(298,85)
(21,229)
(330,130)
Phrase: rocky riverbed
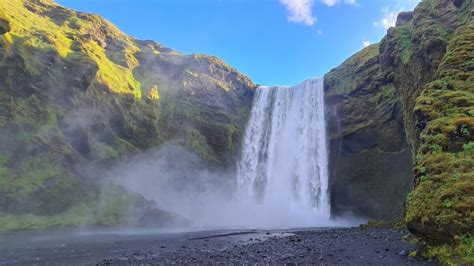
(342,246)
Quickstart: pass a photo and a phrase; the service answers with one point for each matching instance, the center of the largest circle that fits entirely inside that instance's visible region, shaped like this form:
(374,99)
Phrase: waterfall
(284,157)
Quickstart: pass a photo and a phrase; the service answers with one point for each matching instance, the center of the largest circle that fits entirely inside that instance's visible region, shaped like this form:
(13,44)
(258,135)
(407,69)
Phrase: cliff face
(370,162)
(430,57)
(76,93)
(427,61)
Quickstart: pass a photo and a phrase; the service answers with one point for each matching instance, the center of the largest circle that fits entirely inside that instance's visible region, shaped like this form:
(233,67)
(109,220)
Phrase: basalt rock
(4,26)
(370,162)
(430,58)
(403,18)
(428,61)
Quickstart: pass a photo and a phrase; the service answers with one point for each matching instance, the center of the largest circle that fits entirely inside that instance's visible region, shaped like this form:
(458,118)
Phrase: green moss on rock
(38,186)
(441,206)
(427,60)
(71,100)
(424,66)
(403,37)
(76,216)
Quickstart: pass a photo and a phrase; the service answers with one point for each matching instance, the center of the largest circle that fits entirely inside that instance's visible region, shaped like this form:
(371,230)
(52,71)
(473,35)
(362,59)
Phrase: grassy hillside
(78,96)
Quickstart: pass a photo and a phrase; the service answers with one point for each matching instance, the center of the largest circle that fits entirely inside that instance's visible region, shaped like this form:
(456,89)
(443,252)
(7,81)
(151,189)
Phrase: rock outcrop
(430,62)
(370,161)
(77,94)
(427,59)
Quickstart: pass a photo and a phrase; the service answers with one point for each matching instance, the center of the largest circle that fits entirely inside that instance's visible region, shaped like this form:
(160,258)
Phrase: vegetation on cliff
(77,95)
(428,60)
(443,200)
(370,165)
(431,60)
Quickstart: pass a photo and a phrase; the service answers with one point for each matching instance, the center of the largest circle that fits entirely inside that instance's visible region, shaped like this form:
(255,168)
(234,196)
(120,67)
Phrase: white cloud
(366,43)
(389,17)
(390,13)
(329,2)
(334,2)
(300,11)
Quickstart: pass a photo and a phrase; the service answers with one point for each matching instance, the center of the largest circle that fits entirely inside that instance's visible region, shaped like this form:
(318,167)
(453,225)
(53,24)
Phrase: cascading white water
(282,173)
(284,160)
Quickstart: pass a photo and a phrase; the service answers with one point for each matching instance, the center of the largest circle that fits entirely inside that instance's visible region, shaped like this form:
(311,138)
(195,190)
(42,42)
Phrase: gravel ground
(346,246)
(353,246)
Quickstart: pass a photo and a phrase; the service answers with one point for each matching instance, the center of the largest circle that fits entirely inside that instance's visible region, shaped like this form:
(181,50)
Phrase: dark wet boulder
(403,18)
(4,26)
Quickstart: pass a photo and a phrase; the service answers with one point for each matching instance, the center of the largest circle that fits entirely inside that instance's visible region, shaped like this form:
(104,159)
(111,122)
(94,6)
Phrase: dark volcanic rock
(355,246)
(370,164)
(4,26)
(427,61)
(403,18)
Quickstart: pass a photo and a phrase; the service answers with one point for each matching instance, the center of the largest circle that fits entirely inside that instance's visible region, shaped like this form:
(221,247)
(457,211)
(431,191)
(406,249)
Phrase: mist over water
(281,179)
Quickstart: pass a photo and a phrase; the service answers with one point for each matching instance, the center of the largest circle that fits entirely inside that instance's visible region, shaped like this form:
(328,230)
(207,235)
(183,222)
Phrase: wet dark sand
(345,246)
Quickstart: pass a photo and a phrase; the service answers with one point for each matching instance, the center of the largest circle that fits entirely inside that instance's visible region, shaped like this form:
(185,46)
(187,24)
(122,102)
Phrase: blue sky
(274,42)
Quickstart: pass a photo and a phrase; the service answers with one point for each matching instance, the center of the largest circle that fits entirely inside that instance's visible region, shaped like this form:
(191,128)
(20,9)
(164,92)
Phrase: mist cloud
(179,182)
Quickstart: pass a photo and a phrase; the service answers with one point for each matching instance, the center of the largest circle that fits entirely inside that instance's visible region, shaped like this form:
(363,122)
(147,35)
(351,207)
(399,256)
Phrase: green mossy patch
(396,224)
(403,37)
(38,186)
(76,216)
(441,207)
(198,143)
(460,253)
(36,32)
(341,80)
(115,205)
